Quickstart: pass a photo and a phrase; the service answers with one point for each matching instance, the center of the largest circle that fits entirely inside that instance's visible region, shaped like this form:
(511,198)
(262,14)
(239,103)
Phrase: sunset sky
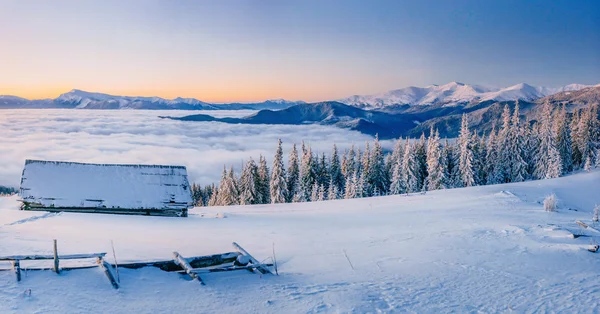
(222,51)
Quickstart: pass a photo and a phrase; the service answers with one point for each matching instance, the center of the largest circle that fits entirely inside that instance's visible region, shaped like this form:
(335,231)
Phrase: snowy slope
(484,249)
(454,93)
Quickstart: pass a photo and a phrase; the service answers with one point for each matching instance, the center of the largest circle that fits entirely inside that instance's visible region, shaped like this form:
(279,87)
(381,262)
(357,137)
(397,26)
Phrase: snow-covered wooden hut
(105,188)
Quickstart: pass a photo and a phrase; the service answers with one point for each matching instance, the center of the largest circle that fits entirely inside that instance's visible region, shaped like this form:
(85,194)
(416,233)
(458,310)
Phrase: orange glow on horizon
(214,96)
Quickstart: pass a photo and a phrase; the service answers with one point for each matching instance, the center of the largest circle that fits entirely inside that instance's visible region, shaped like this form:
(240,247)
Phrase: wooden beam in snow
(186,266)
(261,268)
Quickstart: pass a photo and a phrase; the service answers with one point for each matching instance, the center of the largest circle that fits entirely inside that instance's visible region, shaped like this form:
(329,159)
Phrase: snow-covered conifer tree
(465,158)
(335,171)
(247,186)
(293,175)
(228,191)
(420,152)
(409,182)
(549,164)
(350,186)
(563,139)
(333,192)
(278,185)
(262,184)
(376,176)
(307,173)
(435,171)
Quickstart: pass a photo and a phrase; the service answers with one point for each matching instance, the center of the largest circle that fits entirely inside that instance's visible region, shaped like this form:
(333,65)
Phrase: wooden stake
(349,262)
(106,267)
(186,266)
(56,269)
(261,269)
(116,264)
(275,260)
(17,267)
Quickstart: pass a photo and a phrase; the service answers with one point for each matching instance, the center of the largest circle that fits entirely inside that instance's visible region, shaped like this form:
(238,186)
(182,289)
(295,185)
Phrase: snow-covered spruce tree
(478,155)
(465,158)
(307,173)
(449,156)
(516,148)
(352,162)
(228,191)
(262,184)
(376,177)
(576,156)
(247,185)
(409,182)
(335,171)
(563,139)
(396,185)
(333,192)
(420,150)
(323,176)
(548,163)
(364,173)
(278,185)
(314,193)
(293,175)
(435,171)
(532,149)
(350,186)
(491,168)
(322,194)
(481,161)
(503,167)
(361,185)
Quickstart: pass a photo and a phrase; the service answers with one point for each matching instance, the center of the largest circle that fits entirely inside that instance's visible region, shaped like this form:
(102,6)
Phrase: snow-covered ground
(487,249)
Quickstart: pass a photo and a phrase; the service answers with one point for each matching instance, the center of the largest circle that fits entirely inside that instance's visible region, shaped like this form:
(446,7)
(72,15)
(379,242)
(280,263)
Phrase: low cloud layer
(107,136)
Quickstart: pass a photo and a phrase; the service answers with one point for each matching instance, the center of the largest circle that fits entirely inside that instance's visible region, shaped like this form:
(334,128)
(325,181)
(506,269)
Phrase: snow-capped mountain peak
(454,93)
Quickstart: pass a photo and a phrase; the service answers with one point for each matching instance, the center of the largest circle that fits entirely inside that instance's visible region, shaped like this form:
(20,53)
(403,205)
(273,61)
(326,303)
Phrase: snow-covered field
(482,249)
(140,136)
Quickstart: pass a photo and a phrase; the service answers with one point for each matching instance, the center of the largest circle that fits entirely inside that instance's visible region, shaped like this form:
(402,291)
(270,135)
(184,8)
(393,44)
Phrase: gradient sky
(246,50)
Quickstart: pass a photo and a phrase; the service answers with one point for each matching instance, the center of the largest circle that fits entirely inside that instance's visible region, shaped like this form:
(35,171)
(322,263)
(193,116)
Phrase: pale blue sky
(311,50)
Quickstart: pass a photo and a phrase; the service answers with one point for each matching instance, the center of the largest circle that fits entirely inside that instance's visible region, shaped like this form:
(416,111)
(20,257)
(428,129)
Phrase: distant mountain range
(451,94)
(78,99)
(454,93)
(406,120)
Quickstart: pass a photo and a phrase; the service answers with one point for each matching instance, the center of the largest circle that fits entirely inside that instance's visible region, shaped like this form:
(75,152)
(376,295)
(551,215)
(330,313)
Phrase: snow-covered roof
(77,185)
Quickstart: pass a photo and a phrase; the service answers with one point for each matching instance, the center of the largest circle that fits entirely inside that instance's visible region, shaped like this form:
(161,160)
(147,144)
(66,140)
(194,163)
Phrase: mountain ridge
(454,93)
(450,94)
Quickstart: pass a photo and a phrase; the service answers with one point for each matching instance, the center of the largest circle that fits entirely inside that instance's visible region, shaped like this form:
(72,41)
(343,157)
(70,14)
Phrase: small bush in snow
(596,213)
(550,203)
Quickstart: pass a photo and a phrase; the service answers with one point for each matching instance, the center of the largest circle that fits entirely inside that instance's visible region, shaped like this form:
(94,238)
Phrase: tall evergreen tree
(549,164)
(335,171)
(278,185)
(410,169)
(503,167)
(516,148)
(563,139)
(435,171)
(262,185)
(491,167)
(420,150)
(350,188)
(376,176)
(228,191)
(247,185)
(307,173)
(293,178)
(465,158)
(333,192)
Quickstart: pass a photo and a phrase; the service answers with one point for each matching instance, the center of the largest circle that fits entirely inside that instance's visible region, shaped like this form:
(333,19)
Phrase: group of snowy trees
(552,146)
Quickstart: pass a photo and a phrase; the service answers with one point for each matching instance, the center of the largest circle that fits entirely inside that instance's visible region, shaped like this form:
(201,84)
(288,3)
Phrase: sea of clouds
(140,136)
